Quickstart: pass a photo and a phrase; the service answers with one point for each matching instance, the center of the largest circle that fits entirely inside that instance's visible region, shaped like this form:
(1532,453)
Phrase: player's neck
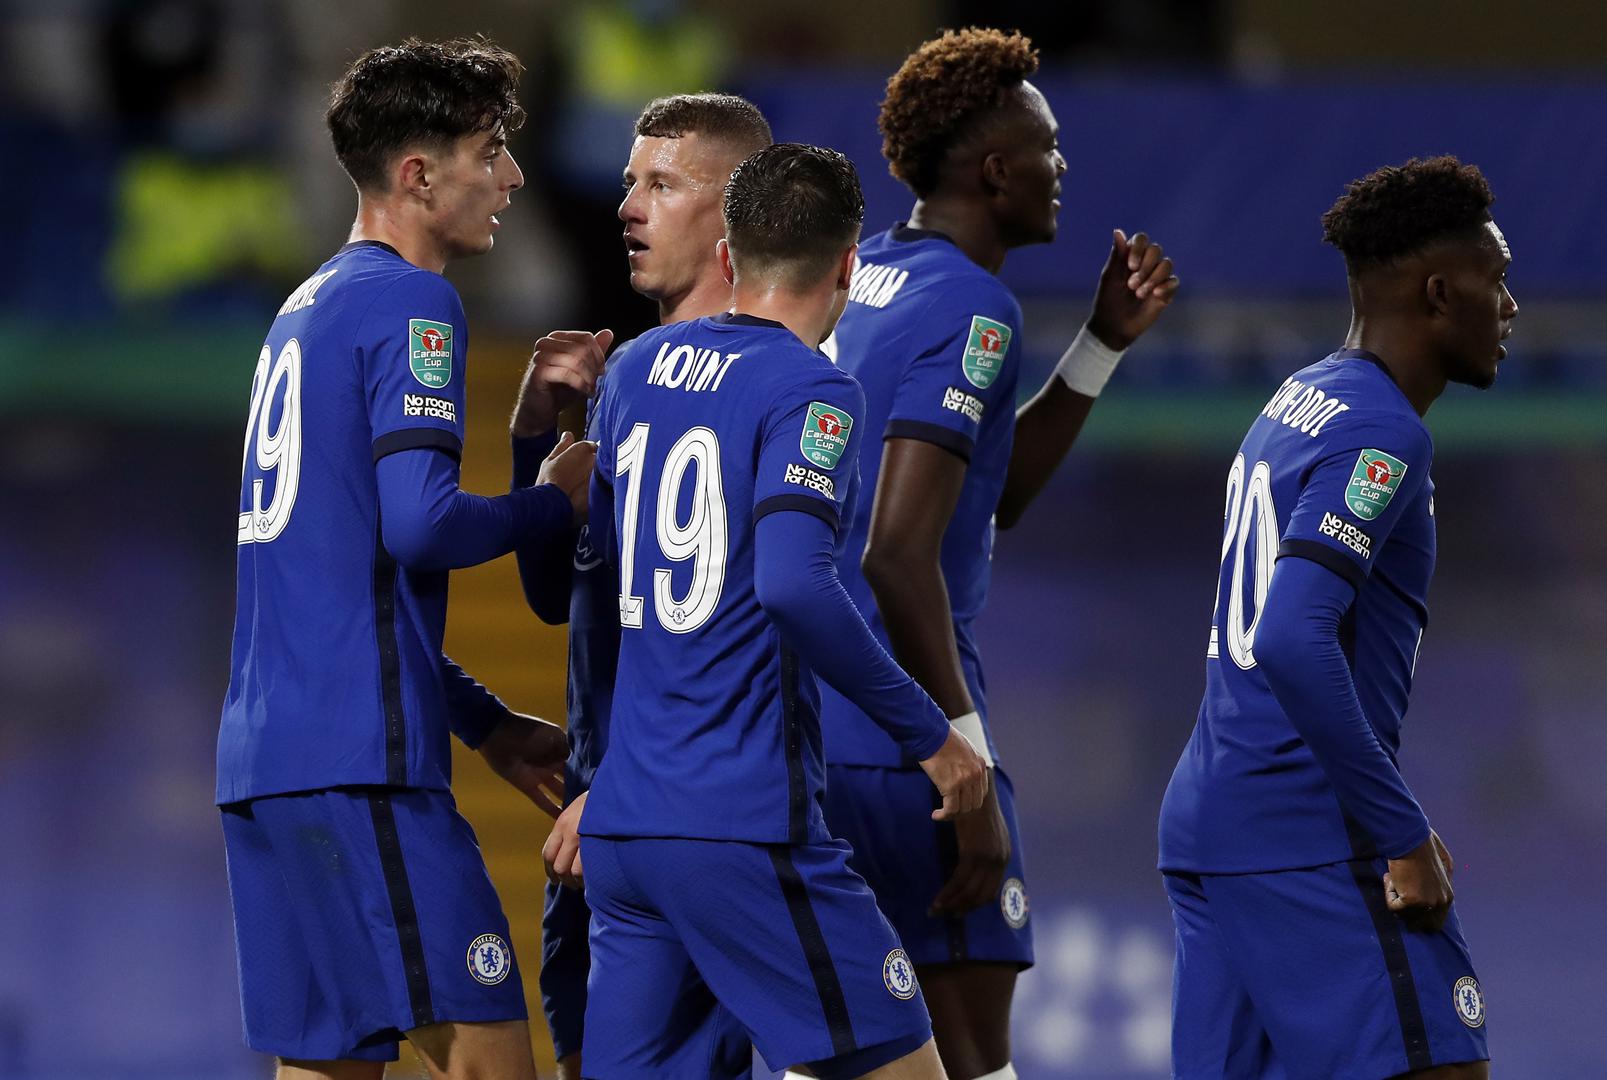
(1407,359)
(807,315)
(971,231)
(377,221)
(705,298)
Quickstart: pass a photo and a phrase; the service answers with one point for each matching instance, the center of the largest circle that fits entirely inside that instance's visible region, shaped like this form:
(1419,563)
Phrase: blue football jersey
(1335,469)
(935,340)
(336,675)
(703,428)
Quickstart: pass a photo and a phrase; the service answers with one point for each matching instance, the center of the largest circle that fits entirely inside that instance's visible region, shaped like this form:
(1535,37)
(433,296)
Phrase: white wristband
(970,725)
(1087,363)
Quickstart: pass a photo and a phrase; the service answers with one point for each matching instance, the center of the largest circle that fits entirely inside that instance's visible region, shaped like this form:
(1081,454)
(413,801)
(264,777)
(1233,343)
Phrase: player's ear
(723,251)
(845,268)
(413,176)
(1437,292)
(995,174)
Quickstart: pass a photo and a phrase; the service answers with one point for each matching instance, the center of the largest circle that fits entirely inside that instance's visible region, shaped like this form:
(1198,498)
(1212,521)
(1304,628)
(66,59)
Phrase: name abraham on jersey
(985,347)
(305,293)
(433,407)
(687,368)
(1339,529)
(809,478)
(875,286)
(825,434)
(429,351)
(961,402)
(1302,407)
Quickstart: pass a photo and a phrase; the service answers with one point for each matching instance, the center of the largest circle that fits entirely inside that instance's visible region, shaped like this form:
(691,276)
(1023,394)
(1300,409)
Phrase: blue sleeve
(472,711)
(546,561)
(1355,492)
(1298,651)
(410,346)
(795,577)
(966,358)
(429,524)
(809,447)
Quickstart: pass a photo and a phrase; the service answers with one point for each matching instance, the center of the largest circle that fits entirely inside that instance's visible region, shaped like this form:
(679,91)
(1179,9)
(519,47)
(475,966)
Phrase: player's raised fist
(1135,287)
(960,775)
(563,369)
(1417,887)
(569,467)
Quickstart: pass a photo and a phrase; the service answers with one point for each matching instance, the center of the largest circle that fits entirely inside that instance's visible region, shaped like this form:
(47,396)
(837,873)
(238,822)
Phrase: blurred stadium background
(168,180)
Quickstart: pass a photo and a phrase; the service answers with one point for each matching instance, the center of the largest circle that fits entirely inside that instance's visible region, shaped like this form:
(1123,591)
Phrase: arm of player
(527,752)
(429,523)
(546,562)
(1297,649)
(795,578)
(1134,288)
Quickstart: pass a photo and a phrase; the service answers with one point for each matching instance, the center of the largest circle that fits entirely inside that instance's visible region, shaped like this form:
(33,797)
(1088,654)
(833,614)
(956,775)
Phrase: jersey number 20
(701,538)
(276,448)
(1248,515)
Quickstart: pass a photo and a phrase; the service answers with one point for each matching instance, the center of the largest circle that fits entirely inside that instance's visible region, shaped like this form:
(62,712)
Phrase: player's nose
(516,177)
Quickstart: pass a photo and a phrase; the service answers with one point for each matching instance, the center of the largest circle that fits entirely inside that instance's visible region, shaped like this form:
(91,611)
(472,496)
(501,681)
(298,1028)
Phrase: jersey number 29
(1248,515)
(701,538)
(276,448)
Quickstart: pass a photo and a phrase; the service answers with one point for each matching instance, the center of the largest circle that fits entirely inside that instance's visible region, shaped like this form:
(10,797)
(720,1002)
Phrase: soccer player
(935,339)
(685,149)
(725,464)
(1311,898)
(362,908)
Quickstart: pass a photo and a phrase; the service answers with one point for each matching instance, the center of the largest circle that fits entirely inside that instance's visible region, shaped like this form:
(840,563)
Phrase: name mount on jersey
(1337,528)
(688,368)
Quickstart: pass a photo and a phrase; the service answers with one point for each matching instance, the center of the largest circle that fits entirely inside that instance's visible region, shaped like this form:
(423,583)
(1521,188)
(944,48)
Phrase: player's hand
(569,467)
(960,775)
(1135,287)
(984,854)
(561,852)
(563,369)
(529,754)
(1418,888)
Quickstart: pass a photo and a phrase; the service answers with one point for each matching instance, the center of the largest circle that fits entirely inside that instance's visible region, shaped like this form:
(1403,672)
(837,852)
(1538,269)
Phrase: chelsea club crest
(1469,1001)
(1013,903)
(899,975)
(489,959)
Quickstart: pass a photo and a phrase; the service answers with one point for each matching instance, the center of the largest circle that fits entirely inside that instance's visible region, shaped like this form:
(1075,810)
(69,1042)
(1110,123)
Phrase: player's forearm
(430,524)
(797,584)
(1297,649)
(472,710)
(1046,428)
(914,605)
(546,565)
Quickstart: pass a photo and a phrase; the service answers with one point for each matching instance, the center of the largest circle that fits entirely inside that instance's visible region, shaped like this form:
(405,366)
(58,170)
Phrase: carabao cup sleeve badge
(985,347)
(1373,483)
(429,352)
(825,434)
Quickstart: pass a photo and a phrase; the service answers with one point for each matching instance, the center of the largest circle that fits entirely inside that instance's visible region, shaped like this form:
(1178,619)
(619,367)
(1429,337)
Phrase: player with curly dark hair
(935,339)
(1312,900)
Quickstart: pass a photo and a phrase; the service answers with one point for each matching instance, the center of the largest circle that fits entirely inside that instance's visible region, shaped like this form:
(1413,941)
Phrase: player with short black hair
(935,338)
(1312,901)
(363,913)
(685,149)
(726,463)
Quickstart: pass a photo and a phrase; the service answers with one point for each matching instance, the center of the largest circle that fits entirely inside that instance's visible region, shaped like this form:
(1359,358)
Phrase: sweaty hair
(938,93)
(1401,209)
(791,210)
(726,117)
(419,92)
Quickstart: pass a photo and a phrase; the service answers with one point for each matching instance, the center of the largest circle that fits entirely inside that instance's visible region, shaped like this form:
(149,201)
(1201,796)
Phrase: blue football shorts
(360,914)
(886,816)
(692,936)
(1308,974)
